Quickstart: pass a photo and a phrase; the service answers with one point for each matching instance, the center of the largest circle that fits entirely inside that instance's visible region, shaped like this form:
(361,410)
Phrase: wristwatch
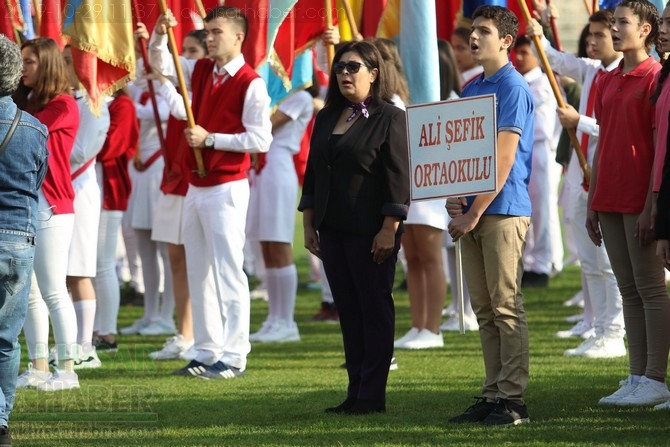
(209,140)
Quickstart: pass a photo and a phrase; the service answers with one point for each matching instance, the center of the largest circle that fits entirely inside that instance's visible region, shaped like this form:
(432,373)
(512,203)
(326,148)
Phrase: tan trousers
(646,306)
(493,268)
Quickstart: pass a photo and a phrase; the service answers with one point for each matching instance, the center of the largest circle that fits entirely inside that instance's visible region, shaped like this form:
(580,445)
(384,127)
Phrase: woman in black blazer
(355,197)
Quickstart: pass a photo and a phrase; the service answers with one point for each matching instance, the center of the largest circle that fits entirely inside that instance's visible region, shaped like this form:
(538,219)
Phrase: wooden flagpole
(329,23)
(184,92)
(589,10)
(557,93)
(150,84)
(350,18)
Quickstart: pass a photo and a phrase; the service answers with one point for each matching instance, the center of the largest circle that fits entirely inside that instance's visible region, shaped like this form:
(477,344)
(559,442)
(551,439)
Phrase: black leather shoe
(5,437)
(343,407)
(367,407)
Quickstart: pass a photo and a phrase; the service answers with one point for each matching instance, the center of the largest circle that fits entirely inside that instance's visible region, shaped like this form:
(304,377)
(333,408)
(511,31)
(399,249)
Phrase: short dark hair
(12,64)
(503,18)
(521,41)
(200,35)
(604,16)
(231,13)
(380,90)
(462,32)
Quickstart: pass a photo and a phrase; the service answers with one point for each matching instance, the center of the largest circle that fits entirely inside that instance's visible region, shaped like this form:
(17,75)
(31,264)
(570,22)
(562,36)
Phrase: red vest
(119,148)
(175,177)
(219,110)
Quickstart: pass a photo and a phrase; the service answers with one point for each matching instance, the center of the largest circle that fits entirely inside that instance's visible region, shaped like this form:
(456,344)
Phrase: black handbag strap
(10,133)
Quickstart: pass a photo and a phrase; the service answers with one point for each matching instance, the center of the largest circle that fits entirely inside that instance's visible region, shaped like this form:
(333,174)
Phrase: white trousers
(106,281)
(599,279)
(213,232)
(544,242)
(49,296)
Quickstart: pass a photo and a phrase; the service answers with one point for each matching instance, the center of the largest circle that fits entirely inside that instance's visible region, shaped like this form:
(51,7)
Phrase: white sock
(272,286)
(85,311)
(287,284)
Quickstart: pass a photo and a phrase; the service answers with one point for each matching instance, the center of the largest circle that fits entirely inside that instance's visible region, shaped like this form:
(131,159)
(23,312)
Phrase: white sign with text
(452,147)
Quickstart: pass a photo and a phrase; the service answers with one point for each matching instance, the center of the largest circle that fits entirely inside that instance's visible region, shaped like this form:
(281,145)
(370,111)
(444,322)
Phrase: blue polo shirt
(514,112)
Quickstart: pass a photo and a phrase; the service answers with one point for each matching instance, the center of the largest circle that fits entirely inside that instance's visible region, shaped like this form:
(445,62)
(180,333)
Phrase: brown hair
(395,73)
(52,76)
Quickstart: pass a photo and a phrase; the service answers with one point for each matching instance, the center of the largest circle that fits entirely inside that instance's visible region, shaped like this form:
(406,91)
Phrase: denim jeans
(17,250)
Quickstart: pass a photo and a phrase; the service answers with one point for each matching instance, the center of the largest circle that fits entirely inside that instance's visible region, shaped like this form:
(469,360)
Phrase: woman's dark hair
(200,35)
(450,80)
(581,43)
(52,76)
(395,72)
(372,59)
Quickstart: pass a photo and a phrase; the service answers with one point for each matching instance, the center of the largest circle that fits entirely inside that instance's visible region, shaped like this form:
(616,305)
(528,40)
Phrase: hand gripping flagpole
(184,93)
(557,93)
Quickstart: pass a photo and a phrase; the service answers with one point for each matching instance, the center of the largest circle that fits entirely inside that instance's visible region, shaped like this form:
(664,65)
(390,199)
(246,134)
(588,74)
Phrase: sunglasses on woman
(352,67)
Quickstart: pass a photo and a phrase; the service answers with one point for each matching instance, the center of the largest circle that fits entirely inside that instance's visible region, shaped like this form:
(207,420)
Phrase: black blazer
(354,184)
(662,225)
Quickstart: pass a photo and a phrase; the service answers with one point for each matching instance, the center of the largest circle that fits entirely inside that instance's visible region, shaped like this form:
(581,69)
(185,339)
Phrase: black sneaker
(101,345)
(477,412)
(193,369)
(220,370)
(506,414)
(5,437)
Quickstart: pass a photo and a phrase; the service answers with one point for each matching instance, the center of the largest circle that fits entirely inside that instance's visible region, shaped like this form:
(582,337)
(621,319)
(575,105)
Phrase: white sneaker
(575,331)
(425,339)
(259,293)
(647,393)
(159,327)
(579,350)
(59,381)
(574,318)
(32,377)
(452,324)
(449,311)
(87,360)
(281,331)
(576,300)
(172,348)
(626,387)
(189,354)
(134,328)
(606,348)
(265,328)
(400,343)
(664,406)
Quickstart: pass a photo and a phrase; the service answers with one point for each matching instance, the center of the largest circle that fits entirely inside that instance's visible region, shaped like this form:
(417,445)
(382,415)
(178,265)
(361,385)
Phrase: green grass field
(133,401)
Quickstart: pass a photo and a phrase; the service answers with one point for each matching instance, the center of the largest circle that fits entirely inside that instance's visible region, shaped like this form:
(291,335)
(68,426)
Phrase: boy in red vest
(231,109)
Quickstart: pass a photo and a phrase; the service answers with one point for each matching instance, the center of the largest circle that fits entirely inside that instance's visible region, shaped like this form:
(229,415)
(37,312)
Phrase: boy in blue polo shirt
(492,227)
